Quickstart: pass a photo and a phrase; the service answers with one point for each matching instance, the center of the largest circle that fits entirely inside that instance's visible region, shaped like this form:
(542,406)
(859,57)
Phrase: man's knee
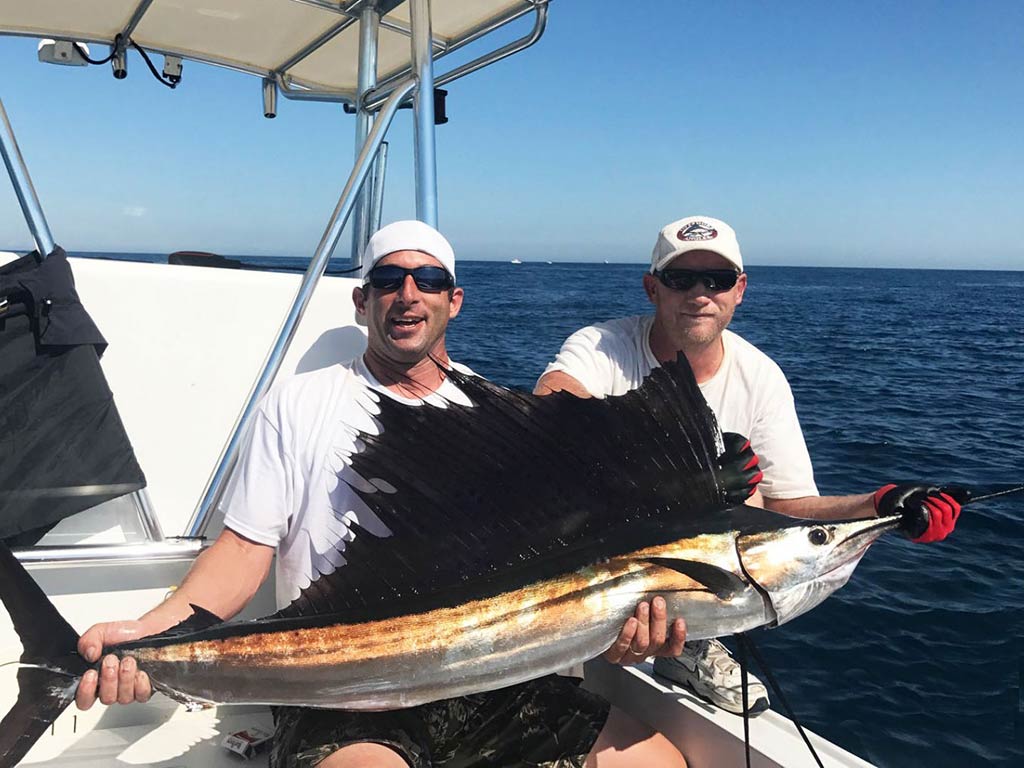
(625,741)
(364,755)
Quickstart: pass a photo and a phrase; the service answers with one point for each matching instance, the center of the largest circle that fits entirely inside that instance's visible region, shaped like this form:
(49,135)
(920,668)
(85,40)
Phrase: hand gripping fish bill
(523,532)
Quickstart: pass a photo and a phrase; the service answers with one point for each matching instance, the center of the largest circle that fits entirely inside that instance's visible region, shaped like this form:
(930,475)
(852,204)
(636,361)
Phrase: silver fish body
(512,637)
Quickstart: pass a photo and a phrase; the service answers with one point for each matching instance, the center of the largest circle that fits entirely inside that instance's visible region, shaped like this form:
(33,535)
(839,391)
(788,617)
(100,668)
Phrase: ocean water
(898,375)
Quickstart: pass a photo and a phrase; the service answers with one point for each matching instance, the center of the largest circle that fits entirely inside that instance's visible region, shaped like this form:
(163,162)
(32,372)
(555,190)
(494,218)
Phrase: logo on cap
(699,230)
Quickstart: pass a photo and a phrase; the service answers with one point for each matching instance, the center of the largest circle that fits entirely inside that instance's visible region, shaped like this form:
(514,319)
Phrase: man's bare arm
(825,507)
(223,579)
(557,381)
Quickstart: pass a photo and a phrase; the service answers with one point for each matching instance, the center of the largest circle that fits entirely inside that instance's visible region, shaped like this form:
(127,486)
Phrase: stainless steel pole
(133,22)
(201,517)
(369,23)
(423,107)
(23,188)
(377,201)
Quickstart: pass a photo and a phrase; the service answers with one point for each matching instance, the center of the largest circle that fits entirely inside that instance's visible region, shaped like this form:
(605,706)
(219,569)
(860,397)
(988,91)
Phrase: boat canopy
(311,44)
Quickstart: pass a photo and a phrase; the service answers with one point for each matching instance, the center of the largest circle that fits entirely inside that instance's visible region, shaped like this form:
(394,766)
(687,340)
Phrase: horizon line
(544,262)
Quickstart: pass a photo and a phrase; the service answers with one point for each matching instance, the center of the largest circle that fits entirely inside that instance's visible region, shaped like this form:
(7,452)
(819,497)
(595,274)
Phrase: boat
(193,347)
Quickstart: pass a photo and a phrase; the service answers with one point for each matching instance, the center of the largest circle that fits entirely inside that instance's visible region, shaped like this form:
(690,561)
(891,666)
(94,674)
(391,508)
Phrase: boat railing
(23,188)
(112,554)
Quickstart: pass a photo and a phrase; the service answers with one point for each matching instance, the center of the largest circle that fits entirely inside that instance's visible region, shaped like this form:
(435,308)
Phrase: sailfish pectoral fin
(721,583)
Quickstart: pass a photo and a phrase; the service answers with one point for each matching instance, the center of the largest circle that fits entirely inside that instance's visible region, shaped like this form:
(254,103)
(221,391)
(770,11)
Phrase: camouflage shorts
(550,722)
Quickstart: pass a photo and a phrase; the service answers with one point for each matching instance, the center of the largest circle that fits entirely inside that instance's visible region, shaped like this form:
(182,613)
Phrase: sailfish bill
(522,537)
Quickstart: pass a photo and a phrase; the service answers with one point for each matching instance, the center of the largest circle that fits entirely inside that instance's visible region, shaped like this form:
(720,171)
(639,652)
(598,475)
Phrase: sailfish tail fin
(47,686)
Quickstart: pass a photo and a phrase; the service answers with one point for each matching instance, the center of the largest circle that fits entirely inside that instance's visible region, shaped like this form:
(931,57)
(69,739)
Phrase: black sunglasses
(389,277)
(715,280)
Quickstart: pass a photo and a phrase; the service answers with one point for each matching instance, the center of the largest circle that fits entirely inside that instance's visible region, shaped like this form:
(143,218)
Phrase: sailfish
(523,530)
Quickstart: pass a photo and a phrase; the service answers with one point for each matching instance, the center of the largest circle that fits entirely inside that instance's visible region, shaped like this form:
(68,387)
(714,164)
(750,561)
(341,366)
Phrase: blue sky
(842,134)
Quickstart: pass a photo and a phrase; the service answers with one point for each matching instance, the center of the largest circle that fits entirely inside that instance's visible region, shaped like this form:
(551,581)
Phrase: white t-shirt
(292,488)
(749,394)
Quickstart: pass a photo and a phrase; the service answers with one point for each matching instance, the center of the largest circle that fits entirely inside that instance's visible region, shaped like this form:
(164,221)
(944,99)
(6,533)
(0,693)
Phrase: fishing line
(745,692)
(1006,492)
(744,641)
(44,668)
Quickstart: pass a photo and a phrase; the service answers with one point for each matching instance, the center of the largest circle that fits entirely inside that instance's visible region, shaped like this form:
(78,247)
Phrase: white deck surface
(170,737)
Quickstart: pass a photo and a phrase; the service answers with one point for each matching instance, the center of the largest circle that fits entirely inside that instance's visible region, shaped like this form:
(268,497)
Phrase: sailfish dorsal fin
(517,487)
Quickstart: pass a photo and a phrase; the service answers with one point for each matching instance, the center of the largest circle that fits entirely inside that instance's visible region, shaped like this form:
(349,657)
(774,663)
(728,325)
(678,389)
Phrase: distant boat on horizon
(516,261)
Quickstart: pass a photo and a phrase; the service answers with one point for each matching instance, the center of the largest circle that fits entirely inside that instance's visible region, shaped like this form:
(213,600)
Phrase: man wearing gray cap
(695,282)
(293,493)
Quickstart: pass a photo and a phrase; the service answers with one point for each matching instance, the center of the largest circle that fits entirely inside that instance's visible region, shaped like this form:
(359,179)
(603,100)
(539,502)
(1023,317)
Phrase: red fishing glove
(929,513)
(738,469)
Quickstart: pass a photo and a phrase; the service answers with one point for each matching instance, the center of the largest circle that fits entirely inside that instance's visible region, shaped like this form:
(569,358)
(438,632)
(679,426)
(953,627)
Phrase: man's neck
(412,380)
(704,359)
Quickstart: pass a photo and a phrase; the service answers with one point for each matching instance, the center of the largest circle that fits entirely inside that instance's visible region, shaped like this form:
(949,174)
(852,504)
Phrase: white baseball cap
(696,233)
(408,236)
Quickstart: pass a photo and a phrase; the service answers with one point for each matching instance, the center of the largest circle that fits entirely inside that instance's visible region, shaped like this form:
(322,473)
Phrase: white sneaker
(707,669)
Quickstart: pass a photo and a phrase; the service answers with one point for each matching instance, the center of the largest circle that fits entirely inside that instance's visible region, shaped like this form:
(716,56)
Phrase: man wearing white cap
(695,282)
(293,493)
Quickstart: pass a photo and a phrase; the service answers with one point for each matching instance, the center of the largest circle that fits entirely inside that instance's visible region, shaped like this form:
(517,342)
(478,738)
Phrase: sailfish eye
(818,536)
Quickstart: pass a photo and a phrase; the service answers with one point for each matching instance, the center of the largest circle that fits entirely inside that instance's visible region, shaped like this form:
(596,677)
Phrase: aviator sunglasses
(715,280)
(389,277)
